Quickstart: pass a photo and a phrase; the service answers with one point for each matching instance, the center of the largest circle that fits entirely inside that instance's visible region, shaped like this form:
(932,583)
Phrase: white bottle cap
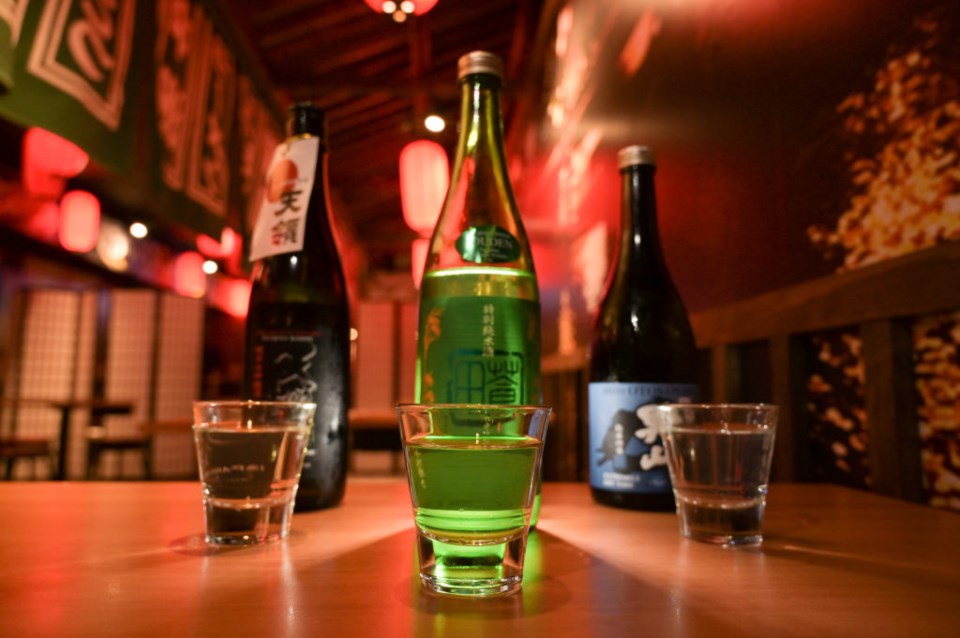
(479,62)
(635,155)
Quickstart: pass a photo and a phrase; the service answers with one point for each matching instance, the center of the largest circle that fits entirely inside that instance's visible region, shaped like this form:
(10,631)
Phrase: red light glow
(418,259)
(208,246)
(419,6)
(188,277)
(79,221)
(53,154)
(236,297)
(424,178)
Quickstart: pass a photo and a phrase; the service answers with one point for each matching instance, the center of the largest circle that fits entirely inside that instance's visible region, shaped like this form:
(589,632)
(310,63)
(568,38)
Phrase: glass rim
(720,406)
(252,403)
(409,406)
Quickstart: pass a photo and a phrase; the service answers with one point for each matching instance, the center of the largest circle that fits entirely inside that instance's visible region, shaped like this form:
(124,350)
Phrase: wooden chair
(100,442)
(16,448)
(142,442)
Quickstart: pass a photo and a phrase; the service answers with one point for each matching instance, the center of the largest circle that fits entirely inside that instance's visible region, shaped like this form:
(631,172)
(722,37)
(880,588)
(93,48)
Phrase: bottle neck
(640,248)
(480,146)
(306,119)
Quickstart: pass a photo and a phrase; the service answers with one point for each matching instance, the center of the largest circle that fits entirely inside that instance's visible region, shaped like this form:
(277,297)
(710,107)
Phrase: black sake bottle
(642,353)
(298,327)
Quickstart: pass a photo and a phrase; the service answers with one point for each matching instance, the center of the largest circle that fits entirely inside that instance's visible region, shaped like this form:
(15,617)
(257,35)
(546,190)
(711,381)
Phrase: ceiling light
(401,11)
(138,230)
(434,123)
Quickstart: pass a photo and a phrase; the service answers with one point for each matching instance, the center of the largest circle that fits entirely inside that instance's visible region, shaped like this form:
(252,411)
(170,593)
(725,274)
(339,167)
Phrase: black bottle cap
(305,117)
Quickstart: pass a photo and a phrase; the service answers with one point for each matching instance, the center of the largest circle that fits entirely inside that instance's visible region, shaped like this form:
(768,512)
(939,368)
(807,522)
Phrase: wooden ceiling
(377,80)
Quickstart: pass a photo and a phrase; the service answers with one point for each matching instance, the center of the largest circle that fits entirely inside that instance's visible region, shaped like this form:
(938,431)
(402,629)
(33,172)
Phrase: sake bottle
(642,353)
(479,315)
(298,328)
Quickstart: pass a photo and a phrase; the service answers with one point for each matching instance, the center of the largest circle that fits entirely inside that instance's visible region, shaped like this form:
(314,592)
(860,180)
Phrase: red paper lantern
(229,241)
(234,297)
(79,221)
(188,277)
(416,7)
(424,178)
(53,154)
(210,247)
(48,160)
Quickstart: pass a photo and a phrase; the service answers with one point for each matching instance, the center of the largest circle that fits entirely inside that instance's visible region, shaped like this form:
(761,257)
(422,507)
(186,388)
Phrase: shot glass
(472,472)
(719,457)
(250,454)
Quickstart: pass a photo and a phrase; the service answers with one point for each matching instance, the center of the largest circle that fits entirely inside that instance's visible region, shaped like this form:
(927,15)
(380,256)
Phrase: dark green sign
(153,93)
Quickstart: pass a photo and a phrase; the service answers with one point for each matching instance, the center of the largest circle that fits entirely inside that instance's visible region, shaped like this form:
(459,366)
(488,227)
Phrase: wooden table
(127,559)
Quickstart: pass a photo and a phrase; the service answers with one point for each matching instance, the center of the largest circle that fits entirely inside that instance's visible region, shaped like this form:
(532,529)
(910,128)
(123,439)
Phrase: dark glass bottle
(298,327)
(642,353)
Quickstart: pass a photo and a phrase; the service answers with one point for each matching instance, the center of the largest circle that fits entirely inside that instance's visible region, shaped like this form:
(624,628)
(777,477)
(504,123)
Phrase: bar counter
(128,559)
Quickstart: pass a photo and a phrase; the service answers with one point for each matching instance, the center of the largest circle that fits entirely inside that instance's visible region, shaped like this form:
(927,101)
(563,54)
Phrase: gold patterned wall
(903,160)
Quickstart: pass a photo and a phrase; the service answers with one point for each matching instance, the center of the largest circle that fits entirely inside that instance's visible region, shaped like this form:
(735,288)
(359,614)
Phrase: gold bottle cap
(479,62)
(634,155)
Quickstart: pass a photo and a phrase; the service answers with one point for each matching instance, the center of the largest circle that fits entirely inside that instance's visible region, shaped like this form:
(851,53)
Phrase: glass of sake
(250,454)
(719,457)
(472,472)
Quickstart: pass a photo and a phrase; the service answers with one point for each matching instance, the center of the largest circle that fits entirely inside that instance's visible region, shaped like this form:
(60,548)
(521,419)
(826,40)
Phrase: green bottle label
(488,245)
(480,350)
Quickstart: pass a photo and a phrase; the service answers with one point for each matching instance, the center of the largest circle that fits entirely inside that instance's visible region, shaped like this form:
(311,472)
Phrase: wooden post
(790,454)
(892,422)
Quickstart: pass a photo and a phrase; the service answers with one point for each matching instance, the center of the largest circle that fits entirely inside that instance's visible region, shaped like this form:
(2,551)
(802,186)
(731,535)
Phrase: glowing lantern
(214,249)
(53,154)
(48,160)
(424,177)
(234,297)
(113,247)
(209,246)
(229,241)
(401,9)
(79,221)
(188,277)
(45,222)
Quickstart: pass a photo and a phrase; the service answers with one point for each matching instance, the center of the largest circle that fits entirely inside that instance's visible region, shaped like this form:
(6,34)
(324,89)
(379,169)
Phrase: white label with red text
(286,197)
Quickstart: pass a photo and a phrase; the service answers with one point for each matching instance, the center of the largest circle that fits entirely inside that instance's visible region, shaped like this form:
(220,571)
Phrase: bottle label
(286,195)
(488,245)
(626,451)
(479,350)
(285,364)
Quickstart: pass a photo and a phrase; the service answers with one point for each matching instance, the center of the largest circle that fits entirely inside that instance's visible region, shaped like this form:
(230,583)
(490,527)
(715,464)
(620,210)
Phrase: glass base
(474,587)
(465,569)
(264,521)
(729,526)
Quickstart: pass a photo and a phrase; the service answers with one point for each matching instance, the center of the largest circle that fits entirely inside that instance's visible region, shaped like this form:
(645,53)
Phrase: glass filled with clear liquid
(719,457)
(250,454)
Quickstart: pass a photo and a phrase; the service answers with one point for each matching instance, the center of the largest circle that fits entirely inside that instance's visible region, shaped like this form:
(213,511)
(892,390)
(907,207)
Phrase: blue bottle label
(626,451)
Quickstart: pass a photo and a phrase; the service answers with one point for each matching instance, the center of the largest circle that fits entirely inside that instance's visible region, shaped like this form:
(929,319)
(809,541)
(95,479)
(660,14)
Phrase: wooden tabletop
(127,559)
